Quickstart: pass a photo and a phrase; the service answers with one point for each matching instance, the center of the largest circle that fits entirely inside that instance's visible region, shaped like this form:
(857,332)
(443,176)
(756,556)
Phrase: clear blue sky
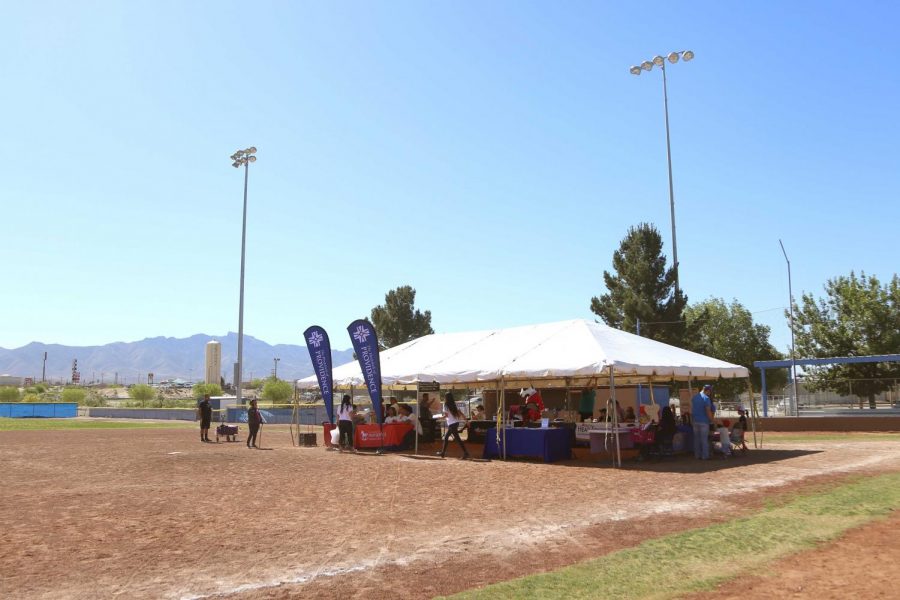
(490,154)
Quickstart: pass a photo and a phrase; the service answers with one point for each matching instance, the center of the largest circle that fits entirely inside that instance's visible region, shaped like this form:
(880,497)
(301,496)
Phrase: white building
(213,362)
(11,380)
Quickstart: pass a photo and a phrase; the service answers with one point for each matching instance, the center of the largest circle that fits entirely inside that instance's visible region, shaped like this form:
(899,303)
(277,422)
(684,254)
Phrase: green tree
(73,394)
(857,317)
(32,398)
(142,392)
(277,391)
(202,389)
(9,393)
(727,332)
(642,289)
(397,321)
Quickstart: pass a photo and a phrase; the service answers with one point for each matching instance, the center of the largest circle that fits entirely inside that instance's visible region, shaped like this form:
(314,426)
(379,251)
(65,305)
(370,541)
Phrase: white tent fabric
(565,349)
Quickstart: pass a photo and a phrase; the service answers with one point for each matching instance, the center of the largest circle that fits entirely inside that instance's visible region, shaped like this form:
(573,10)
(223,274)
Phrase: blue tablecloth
(549,444)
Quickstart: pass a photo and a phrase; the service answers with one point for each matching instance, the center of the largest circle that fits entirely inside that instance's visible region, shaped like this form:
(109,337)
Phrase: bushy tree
(277,391)
(9,393)
(202,389)
(727,332)
(642,288)
(857,317)
(73,394)
(142,392)
(397,321)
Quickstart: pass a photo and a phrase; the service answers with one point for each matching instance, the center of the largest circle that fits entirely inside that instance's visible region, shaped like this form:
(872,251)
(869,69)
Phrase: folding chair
(737,441)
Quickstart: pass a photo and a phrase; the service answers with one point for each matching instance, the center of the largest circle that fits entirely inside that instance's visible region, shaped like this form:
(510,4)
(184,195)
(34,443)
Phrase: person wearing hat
(701,417)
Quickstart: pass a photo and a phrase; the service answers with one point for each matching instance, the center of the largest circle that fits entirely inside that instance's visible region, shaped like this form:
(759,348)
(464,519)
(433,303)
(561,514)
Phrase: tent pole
(754,415)
(652,401)
(502,415)
(612,395)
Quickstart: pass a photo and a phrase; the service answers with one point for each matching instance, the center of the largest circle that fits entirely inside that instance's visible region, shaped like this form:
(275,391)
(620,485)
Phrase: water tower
(213,362)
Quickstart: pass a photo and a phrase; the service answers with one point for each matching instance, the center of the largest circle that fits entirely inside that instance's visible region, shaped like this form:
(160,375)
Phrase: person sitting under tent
(391,415)
(406,416)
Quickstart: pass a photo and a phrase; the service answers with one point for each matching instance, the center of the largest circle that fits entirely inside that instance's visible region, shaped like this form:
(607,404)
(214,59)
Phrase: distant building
(11,380)
(213,362)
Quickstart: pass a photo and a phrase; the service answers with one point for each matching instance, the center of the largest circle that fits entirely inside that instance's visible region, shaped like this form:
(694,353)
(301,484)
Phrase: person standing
(586,404)
(701,417)
(345,424)
(254,421)
(204,408)
(453,416)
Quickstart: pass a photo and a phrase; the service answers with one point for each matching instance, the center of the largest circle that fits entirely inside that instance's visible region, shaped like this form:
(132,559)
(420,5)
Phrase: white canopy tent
(572,352)
(561,354)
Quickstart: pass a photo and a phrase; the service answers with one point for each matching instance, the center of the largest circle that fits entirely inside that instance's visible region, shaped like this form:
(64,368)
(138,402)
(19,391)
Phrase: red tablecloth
(369,436)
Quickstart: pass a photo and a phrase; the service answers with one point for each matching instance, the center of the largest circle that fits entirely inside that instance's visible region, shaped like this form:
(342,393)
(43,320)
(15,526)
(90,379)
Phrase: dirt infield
(157,514)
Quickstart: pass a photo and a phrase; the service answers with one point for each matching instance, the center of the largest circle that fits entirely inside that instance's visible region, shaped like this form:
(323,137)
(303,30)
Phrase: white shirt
(344,413)
(450,418)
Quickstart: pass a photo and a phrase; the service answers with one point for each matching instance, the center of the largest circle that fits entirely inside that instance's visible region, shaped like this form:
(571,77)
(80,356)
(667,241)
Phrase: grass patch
(827,437)
(63,424)
(700,559)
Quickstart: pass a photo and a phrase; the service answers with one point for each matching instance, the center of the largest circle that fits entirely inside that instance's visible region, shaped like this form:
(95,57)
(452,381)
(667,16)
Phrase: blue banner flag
(320,353)
(365,344)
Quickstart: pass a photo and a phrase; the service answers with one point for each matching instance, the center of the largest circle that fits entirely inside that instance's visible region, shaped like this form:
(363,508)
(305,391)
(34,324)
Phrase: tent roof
(572,350)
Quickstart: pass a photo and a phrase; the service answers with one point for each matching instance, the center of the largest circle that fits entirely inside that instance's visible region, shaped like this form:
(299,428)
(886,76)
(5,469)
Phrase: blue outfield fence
(313,415)
(47,410)
(165,414)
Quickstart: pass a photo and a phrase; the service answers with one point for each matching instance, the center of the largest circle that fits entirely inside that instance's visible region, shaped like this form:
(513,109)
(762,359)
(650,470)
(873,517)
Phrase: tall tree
(858,316)
(642,289)
(397,321)
(277,391)
(727,332)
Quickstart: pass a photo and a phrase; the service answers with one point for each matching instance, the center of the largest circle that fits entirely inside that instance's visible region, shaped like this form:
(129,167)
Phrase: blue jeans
(701,440)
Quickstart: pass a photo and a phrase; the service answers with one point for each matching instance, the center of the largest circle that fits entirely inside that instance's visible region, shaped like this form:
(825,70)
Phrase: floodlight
(673,57)
(635,70)
(687,55)
(236,164)
(252,158)
(251,150)
(646,65)
(658,60)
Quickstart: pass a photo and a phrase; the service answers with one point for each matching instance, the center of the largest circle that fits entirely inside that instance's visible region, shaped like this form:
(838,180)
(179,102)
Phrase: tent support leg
(617,461)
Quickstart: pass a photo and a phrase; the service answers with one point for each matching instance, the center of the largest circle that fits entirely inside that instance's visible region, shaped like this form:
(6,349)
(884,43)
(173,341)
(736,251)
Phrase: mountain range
(165,357)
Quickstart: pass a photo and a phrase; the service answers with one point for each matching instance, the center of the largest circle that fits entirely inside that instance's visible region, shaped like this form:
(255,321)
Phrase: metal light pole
(647,65)
(793,354)
(275,372)
(242,157)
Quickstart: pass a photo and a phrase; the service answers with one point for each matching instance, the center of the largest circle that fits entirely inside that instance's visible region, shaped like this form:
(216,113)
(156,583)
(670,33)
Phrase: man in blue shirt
(701,417)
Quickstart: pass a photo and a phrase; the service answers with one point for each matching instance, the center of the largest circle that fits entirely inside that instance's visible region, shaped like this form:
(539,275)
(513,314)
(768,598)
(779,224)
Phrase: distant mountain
(165,357)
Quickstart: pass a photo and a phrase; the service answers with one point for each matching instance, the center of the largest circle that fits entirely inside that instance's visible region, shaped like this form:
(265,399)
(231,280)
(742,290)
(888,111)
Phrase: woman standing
(254,420)
(453,416)
(345,423)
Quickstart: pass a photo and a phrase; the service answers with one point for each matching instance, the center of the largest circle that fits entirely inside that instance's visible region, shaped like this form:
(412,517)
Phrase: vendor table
(584,430)
(370,436)
(478,430)
(549,444)
(600,442)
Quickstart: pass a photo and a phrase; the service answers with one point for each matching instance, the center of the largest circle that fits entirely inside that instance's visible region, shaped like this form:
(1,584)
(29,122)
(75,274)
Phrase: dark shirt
(205,410)
(253,416)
